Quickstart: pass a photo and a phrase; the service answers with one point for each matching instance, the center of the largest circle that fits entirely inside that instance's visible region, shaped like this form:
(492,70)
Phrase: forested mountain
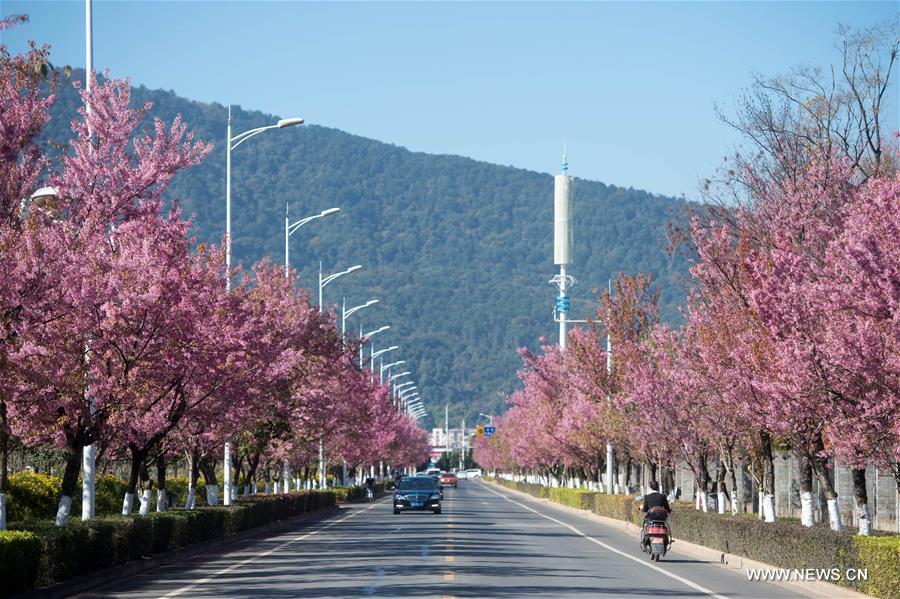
(458,251)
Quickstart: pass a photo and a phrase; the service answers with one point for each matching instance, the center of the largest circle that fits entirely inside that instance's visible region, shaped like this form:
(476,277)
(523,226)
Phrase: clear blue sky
(631,87)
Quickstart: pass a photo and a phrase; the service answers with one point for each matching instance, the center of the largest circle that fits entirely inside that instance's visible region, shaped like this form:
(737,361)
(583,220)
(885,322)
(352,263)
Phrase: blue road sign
(489,430)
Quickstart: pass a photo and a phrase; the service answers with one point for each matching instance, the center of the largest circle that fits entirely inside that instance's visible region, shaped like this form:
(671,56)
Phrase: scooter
(655,537)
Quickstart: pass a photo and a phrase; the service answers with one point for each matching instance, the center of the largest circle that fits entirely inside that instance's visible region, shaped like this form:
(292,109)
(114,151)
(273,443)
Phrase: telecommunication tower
(563,192)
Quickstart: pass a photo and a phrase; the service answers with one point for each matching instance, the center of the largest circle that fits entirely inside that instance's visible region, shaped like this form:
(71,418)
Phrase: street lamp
(366,338)
(291,228)
(323,281)
(387,367)
(403,394)
(406,400)
(232,143)
(346,313)
(489,417)
(401,385)
(375,354)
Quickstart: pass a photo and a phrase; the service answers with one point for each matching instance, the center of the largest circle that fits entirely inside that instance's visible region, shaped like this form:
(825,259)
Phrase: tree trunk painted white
(616,488)
(127,504)
(254,488)
(191,499)
(62,513)
(697,499)
(834,515)
(721,502)
(286,486)
(806,509)
(212,494)
(704,503)
(769,508)
(247,490)
(733,504)
(88,491)
(2,511)
(863,519)
(226,484)
(761,500)
(145,502)
(161,503)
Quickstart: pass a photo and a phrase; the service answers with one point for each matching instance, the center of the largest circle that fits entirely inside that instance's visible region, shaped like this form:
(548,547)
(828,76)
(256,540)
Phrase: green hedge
(38,554)
(351,494)
(530,488)
(577,498)
(881,555)
(19,554)
(784,544)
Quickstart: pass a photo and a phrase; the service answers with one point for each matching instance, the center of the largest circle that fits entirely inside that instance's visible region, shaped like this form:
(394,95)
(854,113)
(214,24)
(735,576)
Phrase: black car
(417,493)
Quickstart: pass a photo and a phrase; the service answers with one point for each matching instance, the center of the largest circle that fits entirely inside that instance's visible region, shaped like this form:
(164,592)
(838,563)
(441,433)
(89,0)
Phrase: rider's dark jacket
(655,499)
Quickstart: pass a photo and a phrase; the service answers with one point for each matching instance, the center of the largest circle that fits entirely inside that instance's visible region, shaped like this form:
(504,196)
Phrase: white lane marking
(683,580)
(209,578)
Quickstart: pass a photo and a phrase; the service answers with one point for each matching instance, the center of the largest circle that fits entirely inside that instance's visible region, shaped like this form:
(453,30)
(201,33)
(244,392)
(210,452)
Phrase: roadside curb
(813,589)
(81,584)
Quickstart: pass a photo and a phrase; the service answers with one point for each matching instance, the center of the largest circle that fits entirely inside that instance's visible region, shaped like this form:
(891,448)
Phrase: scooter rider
(655,499)
(655,507)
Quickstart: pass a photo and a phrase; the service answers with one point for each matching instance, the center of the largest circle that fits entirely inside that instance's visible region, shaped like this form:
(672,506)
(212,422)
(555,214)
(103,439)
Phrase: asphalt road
(488,542)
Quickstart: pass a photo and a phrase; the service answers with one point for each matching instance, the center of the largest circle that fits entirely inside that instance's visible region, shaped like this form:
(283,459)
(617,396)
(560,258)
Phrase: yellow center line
(449,576)
(449,559)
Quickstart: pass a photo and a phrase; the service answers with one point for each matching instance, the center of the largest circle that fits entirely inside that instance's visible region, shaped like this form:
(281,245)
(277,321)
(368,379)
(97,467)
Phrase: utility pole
(609,449)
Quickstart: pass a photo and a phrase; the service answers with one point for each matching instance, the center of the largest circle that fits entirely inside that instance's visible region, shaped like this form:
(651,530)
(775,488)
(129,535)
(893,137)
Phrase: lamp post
(490,418)
(345,314)
(402,394)
(232,142)
(291,228)
(323,281)
(397,387)
(408,394)
(366,337)
(375,354)
(387,368)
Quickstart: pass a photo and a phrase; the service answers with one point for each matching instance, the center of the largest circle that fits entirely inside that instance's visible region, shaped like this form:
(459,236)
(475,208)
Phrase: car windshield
(421,483)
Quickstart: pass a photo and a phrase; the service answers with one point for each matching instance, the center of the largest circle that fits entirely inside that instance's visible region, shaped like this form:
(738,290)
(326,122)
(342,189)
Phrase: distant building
(451,441)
